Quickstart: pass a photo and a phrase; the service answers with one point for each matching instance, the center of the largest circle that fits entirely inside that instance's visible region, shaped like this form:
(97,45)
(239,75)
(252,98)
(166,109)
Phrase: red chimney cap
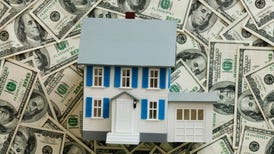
(130,15)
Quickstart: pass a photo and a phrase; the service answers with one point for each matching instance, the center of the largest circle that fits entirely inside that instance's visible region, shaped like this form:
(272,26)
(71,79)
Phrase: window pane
(155,83)
(186,114)
(100,82)
(127,82)
(179,114)
(96,71)
(156,73)
(95,112)
(193,114)
(95,103)
(99,112)
(99,103)
(100,71)
(200,114)
(151,73)
(150,114)
(154,114)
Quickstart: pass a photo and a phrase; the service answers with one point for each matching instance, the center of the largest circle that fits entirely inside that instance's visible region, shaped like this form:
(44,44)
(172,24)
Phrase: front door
(124,115)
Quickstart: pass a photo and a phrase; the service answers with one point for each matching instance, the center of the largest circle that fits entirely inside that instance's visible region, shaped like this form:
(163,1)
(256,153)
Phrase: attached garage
(190,117)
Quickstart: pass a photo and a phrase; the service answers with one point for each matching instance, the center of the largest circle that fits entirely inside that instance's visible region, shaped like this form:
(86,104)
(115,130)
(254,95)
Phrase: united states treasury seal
(254,146)
(260,4)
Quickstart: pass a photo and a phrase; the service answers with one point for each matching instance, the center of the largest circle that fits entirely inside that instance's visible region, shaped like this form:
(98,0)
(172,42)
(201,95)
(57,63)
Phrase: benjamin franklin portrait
(36,108)
(137,6)
(226,94)
(28,31)
(200,18)
(248,108)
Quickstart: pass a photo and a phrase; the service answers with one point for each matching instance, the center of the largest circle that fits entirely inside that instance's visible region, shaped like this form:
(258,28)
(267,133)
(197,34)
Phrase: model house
(126,84)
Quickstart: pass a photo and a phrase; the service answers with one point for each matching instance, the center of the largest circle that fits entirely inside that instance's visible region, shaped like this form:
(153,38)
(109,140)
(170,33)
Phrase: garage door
(190,125)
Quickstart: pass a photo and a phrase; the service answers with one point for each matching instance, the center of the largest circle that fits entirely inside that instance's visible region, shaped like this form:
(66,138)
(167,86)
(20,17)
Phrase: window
(97,108)
(154,78)
(153,108)
(98,76)
(126,77)
(190,114)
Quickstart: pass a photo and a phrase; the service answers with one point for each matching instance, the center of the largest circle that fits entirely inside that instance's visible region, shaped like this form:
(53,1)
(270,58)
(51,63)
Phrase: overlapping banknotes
(223,46)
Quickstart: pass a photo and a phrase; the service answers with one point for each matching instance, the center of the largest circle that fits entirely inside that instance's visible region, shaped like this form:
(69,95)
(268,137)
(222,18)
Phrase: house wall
(150,126)
(208,116)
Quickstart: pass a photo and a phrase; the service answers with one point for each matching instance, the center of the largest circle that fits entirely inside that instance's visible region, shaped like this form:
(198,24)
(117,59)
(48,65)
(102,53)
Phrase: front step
(123,138)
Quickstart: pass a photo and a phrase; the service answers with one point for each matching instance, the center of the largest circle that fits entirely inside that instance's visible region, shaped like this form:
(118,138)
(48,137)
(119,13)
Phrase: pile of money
(223,47)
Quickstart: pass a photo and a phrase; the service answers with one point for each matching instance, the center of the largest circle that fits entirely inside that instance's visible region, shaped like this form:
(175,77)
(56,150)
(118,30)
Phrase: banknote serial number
(173,19)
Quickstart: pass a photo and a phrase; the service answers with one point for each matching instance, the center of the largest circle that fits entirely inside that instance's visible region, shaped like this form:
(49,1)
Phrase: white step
(123,138)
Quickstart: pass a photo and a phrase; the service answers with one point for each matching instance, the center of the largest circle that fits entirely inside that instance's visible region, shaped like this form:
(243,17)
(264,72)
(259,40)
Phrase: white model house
(126,84)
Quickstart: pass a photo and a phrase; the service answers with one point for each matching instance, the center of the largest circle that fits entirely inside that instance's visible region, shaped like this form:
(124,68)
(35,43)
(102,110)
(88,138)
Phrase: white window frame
(153,109)
(101,84)
(151,77)
(98,108)
(126,78)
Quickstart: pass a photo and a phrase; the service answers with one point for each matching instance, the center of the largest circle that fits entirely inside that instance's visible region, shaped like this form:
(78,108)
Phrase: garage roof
(192,97)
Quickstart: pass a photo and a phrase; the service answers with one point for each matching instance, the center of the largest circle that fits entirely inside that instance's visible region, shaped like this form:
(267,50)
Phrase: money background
(41,38)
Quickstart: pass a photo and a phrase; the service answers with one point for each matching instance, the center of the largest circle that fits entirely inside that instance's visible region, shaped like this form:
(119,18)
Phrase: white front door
(124,116)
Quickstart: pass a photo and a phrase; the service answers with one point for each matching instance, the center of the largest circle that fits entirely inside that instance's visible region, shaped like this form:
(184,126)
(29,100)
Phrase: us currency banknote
(37,140)
(224,129)
(74,121)
(179,149)
(72,143)
(236,31)
(261,11)
(4,10)
(222,77)
(220,145)
(64,88)
(60,17)
(228,10)
(167,147)
(52,58)
(16,83)
(203,24)
(260,82)
(18,36)
(174,10)
(157,150)
(194,56)
(38,108)
(180,75)
(256,140)
(266,33)
(16,8)
(246,110)
(101,13)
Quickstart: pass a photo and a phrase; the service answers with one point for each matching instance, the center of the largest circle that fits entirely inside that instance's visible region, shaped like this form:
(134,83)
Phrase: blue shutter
(161,115)
(106,76)
(89,76)
(106,108)
(145,77)
(117,77)
(162,78)
(134,77)
(169,77)
(88,106)
(144,109)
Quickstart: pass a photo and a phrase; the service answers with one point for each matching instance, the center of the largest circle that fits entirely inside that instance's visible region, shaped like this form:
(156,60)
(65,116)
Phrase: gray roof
(192,97)
(124,92)
(127,42)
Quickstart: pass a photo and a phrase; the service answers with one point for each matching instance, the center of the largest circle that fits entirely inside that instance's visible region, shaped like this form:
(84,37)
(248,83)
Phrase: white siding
(145,126)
